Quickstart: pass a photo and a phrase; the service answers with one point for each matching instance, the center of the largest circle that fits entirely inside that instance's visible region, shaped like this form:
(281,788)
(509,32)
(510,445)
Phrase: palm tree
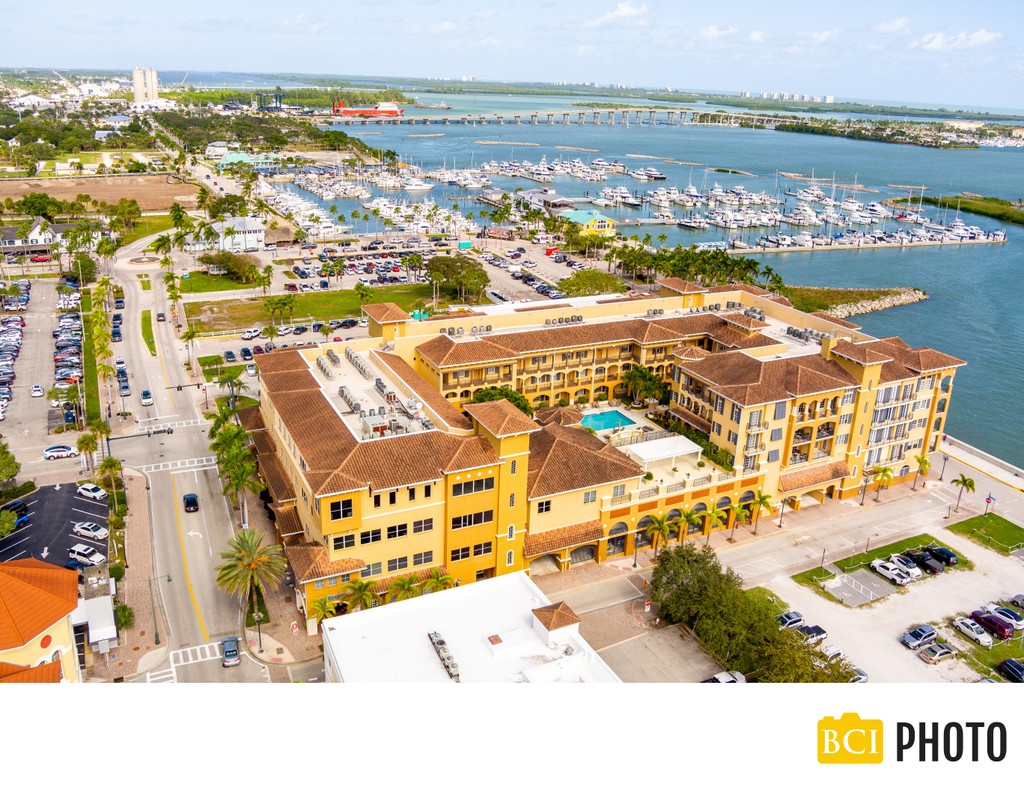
(111,467)
(739,513)
(883,476)
(326,331)
(923,464)
(250,566)
(359,594)
(964,483)
(102,430)
(686,518)
(87,444)
(659,530)
(404,587)
(437,580)
(321,609)
(716,518)
(760,502)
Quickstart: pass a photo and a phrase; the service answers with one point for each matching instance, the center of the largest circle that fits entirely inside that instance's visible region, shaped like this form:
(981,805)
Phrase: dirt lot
(153,192)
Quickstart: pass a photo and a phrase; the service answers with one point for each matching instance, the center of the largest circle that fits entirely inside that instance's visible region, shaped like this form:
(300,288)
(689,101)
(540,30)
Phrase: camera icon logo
(849,739)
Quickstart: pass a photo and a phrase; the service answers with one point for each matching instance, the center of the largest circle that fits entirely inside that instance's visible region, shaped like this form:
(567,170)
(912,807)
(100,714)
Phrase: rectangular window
(842,440)
(344,542)
(720,405)
(412,495)
(776,434)
(396,564)
(398,531)
(392,497)
(332,581)
(513,466)
(369,536)
(422,525)
(780,409)
(318,584)
(419,559)
(619,490)
(485,548)
(848,398)
(376,500)
(473,487)
(470,519)
(544,507)
(846,418)
(510,558)
(716,428)
(460,554)
(370,570)
(773,456)
(589,496)
(733,437)
(734,414)
(341,510)
(426,491)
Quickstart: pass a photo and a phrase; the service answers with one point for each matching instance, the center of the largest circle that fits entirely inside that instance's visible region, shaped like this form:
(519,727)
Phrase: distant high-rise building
(144,85)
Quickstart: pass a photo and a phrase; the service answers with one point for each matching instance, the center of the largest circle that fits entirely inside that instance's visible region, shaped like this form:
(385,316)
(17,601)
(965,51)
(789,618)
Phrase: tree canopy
(507,393)
(584,282)
(461,275)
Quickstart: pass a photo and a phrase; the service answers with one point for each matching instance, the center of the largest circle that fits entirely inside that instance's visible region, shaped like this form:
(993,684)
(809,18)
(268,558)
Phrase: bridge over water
(632,116)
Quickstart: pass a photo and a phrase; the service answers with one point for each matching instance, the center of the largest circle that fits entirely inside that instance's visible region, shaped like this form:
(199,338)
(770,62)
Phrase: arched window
(941,406)
(671,516)
(699,509)
(723,503)
(511,532)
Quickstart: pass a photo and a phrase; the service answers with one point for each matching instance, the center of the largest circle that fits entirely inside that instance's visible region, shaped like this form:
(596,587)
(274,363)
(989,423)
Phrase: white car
(91,491)
(54,452)
(890,572)
(251,370)
(284,331)
(1009,615)
(146,398)
(120,364)
(831,653)
(907,565)
(973,631)
(37,391)
(90,530)
(85,554)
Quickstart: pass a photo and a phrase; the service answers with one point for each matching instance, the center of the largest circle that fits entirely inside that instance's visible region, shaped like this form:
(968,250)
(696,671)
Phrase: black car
(1012,670)
(348,323)
(191,502)
(942,554)
(246,354)
(924,561)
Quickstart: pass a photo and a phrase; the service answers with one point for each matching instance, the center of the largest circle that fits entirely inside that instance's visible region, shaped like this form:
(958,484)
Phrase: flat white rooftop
(488,627)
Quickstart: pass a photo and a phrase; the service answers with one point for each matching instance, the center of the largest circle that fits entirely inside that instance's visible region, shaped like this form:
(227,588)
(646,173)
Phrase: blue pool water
(606,420)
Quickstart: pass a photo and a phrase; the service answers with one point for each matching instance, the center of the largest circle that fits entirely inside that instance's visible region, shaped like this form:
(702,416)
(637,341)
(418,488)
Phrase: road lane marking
(184,561)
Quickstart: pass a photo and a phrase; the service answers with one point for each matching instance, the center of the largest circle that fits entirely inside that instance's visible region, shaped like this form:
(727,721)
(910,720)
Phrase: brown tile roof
(861,353)
(501,418)
(563,416)
(692,419)
(33,596)
(262,441)
(277,480)
(385,312)
(782,299)
(920,360)
(45,674)
(747,380)
(690,352)
(443,351)
(551,541)
(681,286)
(289,380)
(557,615)
(321,437)
(568,459)
(310,562)
(544,308)
(795,480)
(439,406)
(278,360)
(837,320)
(288,522)
(251,418)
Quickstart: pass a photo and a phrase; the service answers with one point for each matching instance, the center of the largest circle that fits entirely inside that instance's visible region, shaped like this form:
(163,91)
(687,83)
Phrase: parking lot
(53,511)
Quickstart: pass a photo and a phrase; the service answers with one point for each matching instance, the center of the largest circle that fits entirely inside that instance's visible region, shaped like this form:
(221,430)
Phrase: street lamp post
(782,510)
(864,489)
(152,603)
(636,549)
(945,459)
(258,617)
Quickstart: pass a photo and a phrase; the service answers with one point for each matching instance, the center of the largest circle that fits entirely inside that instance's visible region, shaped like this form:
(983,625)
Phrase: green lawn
(148,226)
(147,331)
(145,281)
(200,282)
(224,315)
(983,660)
(214,368)
(993,531)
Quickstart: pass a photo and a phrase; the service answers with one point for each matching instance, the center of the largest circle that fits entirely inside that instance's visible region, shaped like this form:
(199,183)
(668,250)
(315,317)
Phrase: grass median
(147,331)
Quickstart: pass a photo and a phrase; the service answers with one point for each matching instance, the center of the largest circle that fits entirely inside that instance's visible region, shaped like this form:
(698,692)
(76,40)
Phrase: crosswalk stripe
(162,677)
(188,463)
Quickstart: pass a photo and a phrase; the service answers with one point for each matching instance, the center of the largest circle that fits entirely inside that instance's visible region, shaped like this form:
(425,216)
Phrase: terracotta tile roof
(33,596)
(795,480)
(278,360)
(309,561)
(288,522)
(289,380)
(681,286)
(557,615)
(321,437)
(385,312)
(262,441)
(551,541)
(501,418)
(45,674)
(440,407)
(920,360)
(837,320)
(443,351)
(692,419)
(861,353)
(251,418)
(275,477)
(382,586)
(747,380)
(568,459)
(783,300)
(563,416)
(690,352)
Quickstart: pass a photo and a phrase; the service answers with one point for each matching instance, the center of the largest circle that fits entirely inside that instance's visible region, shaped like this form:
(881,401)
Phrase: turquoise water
(976,306)
(611,419)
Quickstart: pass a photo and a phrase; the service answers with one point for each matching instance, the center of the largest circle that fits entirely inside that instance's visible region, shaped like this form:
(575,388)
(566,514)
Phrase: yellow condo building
(379,466)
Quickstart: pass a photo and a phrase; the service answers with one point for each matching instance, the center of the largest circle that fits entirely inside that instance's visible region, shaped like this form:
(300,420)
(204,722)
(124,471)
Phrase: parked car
(726,678)
(251,370)
(916,637)
(191,502)
(37,391)
(229,356)
(146,398)
(1018,601)
(943,555)
(246,354)
(925,562)
(890,572)
(55,452)
(973,631)
(20,511)
(813,634)
(1009,615)
(91,491)
(907,565)
(859,676)
(161,317)
(832,653)
(937,652)
(229,652)
(790,620)
(85,554)
(993,623)
(90,530)
(1012,670)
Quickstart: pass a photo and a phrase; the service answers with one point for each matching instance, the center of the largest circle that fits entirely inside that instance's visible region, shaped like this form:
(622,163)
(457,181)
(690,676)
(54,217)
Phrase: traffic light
(179,388)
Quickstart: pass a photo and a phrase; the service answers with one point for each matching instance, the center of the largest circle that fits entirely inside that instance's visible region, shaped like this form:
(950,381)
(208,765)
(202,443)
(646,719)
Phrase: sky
(956,54)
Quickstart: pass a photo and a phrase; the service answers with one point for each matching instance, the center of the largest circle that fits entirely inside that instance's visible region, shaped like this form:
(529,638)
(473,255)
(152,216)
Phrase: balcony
(755,428)
(754,449)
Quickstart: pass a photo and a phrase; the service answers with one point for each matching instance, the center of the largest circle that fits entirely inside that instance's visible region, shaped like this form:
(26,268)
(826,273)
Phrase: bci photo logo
(852,739)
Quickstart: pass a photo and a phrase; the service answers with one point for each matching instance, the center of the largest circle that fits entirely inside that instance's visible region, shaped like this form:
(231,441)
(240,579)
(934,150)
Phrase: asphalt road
(52,512)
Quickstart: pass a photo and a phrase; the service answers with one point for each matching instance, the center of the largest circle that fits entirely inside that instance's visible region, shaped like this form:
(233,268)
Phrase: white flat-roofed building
(501,630)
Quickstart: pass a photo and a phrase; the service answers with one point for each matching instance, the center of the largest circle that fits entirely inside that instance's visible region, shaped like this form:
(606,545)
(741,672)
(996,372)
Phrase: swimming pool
(610,419)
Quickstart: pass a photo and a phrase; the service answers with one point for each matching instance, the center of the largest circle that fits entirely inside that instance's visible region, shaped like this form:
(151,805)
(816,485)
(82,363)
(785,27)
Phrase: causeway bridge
(632,116)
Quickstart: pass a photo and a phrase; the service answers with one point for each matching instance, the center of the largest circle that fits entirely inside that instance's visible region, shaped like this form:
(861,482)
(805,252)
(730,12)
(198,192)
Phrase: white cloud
(938,41)
(622,13)
(896,26)
(443,27)
(304,24)
(821,37)
(714,32)
(756,36)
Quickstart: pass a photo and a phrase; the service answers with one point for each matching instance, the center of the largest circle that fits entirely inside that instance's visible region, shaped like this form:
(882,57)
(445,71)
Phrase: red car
(40,259)
(996,625)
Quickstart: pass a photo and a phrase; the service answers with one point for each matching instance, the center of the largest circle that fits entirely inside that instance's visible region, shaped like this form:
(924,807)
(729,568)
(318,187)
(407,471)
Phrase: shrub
(649,476)
(117,571)
(601,397)
(125,616)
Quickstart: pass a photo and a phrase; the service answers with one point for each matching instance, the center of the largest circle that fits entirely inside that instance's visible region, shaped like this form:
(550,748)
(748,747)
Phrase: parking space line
(184,560)
(90,513)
